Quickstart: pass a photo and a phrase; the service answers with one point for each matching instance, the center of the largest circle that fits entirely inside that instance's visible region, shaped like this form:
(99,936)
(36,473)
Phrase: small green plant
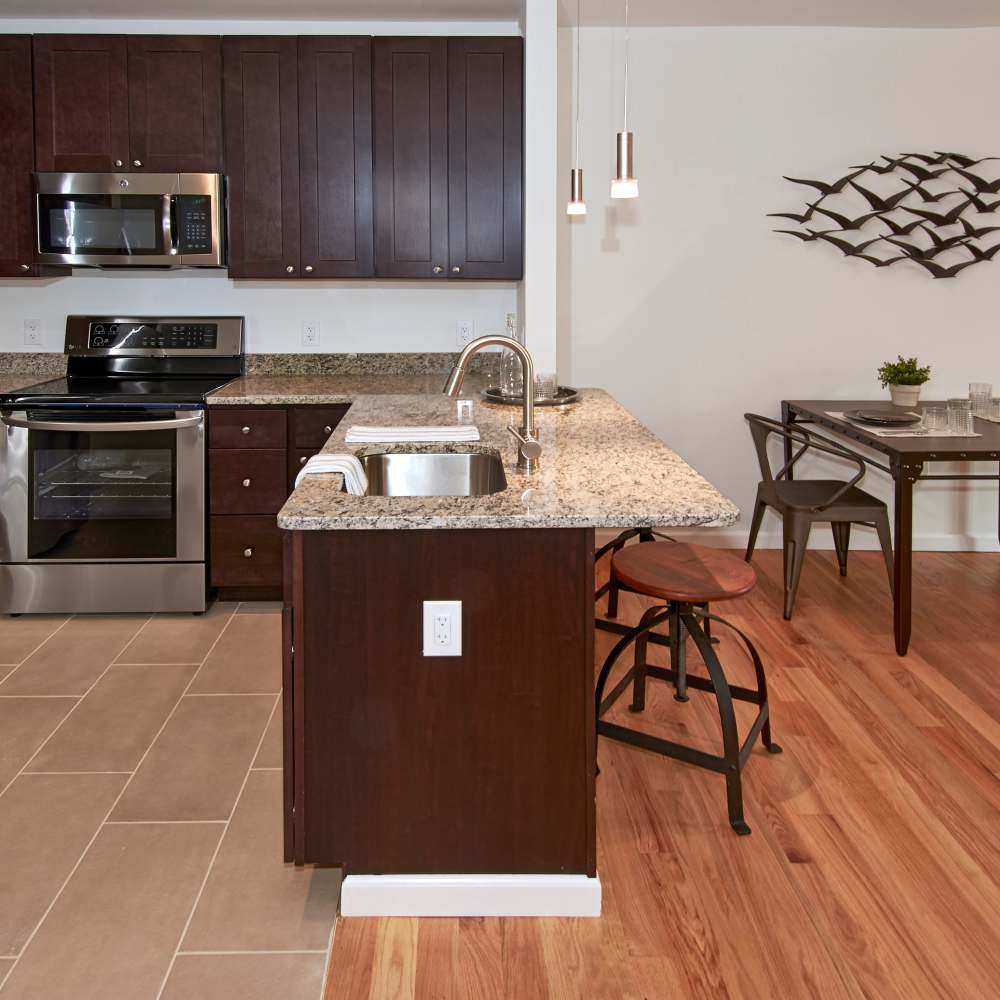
(905,371)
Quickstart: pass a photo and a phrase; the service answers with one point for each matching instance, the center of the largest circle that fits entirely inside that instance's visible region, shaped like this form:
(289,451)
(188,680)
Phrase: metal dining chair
(803,502)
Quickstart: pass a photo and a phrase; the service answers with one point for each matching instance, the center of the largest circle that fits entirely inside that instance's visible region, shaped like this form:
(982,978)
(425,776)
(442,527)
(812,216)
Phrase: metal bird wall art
(866,198)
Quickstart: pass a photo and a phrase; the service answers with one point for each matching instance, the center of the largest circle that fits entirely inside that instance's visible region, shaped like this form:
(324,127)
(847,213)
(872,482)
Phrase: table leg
(905,475)
(788,418)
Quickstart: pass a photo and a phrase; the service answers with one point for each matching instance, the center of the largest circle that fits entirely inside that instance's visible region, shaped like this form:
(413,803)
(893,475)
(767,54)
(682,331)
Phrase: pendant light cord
(576,151)
(625,124)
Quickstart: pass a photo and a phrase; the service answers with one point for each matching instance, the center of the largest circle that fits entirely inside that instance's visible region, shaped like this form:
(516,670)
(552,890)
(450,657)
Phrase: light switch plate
(442,628)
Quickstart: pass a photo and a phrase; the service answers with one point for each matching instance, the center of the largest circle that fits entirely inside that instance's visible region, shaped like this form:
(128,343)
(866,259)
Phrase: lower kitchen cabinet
(254,456)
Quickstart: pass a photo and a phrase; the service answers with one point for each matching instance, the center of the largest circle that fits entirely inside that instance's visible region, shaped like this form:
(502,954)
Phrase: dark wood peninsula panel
(479,763)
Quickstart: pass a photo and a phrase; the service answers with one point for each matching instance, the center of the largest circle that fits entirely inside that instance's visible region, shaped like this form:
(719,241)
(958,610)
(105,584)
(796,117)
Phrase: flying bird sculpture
(979,254)
(799,217)
(948,218)
(974,232)
(879,203)
(966,161)
(980,184)
(835,188)
(944,272)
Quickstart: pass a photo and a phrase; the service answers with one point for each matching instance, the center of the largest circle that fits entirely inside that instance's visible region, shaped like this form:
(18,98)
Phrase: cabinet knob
(456,270)
(25,267)
(327,429)
(437,268)
(118,163)
(137,163)
(247,553)
(290,269)
(246,482)
(303,460)
(309,268)
(244,430)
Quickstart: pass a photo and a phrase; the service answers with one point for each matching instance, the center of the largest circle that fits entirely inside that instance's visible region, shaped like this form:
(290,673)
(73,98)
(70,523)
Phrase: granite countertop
(11,383)
(600,467)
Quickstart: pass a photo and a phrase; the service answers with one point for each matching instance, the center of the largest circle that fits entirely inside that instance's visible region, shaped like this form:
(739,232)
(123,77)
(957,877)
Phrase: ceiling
(858,13)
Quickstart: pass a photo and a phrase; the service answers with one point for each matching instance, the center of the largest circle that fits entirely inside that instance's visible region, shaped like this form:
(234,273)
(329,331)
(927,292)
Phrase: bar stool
(686,579)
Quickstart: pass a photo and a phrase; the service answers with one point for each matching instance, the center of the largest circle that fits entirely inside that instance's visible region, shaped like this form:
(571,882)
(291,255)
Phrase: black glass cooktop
(84,392)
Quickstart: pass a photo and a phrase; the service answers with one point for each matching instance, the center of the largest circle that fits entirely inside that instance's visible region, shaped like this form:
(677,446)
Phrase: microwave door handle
(170,222)
(101,427)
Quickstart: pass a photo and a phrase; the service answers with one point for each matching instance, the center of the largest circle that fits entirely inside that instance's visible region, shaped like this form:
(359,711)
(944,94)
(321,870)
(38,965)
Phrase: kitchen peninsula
(473,772)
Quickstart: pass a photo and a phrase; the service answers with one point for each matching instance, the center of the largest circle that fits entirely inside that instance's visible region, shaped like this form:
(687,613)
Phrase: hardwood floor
(871,871)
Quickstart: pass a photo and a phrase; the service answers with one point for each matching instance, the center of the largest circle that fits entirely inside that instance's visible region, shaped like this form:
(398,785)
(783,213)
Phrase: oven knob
(137,163)
(247,553)
(246,482)
(244,430)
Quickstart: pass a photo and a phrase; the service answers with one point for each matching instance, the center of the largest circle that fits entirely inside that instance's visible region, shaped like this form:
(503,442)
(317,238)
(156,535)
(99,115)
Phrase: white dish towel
(376,435)
(355,480)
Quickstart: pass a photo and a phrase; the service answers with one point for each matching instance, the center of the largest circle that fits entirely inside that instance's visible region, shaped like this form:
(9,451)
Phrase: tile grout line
(17,666)
(79,700)
(114,804)
(218,846)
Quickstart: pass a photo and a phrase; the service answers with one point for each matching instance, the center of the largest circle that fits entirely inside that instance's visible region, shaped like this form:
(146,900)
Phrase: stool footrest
(616,692)
(703,684)
(605,626)
(665,747)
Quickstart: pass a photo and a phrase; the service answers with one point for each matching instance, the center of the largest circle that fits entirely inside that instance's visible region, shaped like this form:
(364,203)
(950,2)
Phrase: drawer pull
(244,430)
(246,482)
(327,429)
(247,553)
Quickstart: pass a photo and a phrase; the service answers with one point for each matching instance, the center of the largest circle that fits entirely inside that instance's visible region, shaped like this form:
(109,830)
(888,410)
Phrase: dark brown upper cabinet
(335,157)
(485,157)
(298,148)
(81,102)
(448,157)
(411,157)
(143,102)
(16,158)
(175,103)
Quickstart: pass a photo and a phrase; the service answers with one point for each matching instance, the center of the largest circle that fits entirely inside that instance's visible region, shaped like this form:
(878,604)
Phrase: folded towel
(372,435)
(355,480)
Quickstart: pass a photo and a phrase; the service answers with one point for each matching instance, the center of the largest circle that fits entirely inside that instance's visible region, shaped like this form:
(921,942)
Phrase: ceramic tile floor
(140,813)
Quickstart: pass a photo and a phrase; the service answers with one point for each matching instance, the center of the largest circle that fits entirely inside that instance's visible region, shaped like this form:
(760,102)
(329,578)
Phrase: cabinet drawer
(247,482)
(312,425)
(239,428)
(246,551)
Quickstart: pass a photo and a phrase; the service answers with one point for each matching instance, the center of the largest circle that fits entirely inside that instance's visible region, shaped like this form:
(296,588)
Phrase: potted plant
(904,377)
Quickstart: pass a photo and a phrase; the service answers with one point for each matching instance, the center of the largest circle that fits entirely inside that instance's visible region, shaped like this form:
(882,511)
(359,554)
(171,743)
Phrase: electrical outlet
(466,332)
(310,333)
(33,336)
(442,628)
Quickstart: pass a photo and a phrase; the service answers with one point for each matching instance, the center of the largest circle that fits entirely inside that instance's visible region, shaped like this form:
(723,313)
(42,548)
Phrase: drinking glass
(545,385)
(960,416)
(511,377)
(935,418)
(995,408)
(980,394)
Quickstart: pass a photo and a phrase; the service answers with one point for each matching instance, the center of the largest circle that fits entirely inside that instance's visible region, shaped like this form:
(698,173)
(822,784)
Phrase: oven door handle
(102,428)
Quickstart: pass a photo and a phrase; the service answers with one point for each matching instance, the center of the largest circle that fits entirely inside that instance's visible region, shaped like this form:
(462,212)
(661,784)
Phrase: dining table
(909,456)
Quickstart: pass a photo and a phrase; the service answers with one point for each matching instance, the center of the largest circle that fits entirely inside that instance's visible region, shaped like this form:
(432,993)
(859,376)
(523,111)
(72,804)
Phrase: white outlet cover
(310,333)
(465,332)
(442,628)
(33,332)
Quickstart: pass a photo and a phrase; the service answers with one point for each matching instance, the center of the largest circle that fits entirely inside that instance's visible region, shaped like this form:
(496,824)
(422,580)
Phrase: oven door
(102,486)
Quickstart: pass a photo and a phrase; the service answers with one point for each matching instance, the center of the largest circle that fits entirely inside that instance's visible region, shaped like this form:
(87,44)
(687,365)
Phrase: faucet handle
(528,448)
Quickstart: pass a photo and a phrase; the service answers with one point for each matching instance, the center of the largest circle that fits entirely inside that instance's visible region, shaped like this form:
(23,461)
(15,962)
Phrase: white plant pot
(905,395)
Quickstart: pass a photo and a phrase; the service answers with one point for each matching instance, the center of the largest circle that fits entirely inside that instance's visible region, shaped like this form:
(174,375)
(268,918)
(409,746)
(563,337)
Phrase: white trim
(470,896)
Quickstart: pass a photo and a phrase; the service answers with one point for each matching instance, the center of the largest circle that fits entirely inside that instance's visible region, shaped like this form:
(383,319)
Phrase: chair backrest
(761,429)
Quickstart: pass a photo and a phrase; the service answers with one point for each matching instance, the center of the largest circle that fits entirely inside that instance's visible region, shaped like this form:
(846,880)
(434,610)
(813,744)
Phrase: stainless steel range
(102,473)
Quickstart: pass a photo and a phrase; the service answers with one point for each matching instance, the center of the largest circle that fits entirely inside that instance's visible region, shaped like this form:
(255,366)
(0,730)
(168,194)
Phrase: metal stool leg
(678,653)
(639,667)
(727,717)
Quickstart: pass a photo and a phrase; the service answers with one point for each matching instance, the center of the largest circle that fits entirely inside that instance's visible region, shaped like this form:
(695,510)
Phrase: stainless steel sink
(434,474)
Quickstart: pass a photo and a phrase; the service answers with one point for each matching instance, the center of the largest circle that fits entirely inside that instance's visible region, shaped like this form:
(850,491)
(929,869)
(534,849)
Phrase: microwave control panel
(168,336)
(194,223)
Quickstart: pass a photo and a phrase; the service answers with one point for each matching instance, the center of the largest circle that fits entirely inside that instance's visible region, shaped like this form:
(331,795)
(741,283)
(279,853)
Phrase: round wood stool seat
(677,571)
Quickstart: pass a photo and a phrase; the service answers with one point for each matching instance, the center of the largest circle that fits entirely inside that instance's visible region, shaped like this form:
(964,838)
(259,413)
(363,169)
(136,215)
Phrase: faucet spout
(528,448)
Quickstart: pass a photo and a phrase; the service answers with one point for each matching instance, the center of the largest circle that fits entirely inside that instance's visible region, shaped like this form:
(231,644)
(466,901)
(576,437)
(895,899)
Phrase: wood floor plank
(872,869)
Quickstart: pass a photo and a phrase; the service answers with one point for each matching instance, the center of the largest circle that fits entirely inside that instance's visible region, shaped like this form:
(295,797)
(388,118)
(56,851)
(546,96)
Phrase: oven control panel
(156,336)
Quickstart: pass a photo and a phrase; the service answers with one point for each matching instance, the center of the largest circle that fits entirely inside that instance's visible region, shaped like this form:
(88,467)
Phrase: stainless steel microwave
(131,220)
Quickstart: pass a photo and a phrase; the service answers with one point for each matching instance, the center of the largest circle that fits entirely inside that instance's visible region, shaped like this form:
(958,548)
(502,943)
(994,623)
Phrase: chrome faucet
(528,448)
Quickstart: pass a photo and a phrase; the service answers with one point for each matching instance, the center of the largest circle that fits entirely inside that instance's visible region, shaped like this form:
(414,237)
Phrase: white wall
(692,312)
(354,315)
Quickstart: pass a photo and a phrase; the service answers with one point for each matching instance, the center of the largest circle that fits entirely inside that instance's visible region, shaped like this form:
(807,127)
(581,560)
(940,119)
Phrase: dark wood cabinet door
(81,103)
(17,157)
(261,116)
(175,103)
(485,157)
(411,157)
(335,157)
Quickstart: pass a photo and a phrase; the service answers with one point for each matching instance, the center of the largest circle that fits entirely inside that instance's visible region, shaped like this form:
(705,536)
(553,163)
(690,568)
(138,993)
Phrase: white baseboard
(821,538)
(470,896)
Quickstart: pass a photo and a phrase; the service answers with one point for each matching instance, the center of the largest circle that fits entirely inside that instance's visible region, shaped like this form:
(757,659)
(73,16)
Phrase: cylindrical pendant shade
(624,184)
(576,205)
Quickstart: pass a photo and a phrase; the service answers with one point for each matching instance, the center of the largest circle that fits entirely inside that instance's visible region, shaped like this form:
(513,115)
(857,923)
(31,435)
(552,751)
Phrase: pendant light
(576,205)
(624,183)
